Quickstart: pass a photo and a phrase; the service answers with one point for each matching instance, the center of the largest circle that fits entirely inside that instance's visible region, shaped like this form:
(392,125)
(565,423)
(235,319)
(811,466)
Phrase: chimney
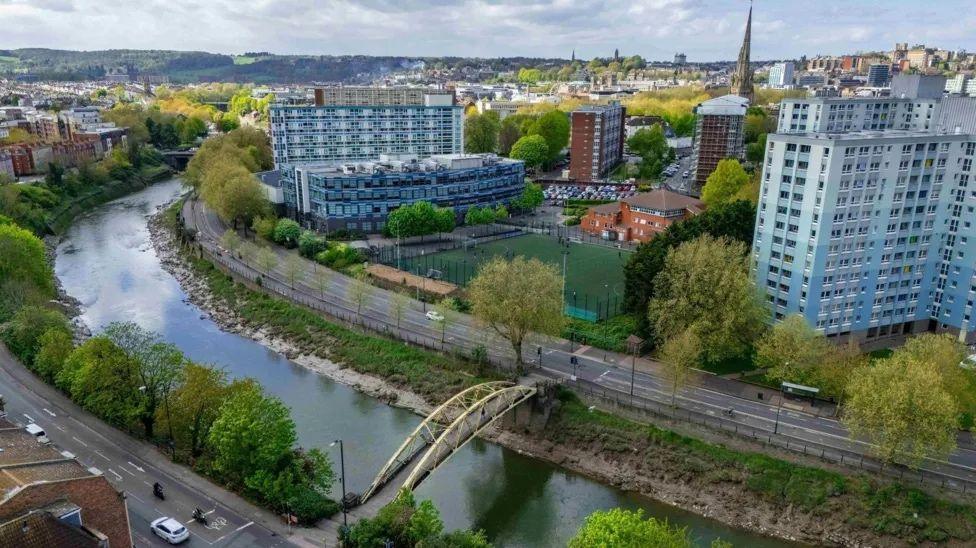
(319,97)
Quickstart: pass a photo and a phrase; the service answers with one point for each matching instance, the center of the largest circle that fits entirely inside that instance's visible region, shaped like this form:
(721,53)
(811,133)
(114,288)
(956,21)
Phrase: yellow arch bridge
(439,436)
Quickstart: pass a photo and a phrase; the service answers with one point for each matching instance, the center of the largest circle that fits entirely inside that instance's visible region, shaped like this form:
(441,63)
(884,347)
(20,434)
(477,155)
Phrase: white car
(170,530)
(435,316)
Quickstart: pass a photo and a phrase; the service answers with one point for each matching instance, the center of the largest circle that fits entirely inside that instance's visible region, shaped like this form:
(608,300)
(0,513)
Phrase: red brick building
(639,217)
(35,477)
(596,140)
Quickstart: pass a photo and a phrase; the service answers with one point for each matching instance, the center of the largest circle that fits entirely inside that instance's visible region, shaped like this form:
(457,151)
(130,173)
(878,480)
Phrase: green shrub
(55,347)
(287,232)
(23,332)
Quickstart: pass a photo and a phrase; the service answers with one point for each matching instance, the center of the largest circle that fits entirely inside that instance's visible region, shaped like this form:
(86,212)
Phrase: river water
(107,262)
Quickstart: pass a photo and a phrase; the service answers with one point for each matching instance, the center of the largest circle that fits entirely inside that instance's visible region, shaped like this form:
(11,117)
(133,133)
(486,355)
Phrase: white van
(37,432)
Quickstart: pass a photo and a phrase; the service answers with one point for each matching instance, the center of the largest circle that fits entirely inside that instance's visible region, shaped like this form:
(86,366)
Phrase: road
(132,467)
(676,182)
(610,371)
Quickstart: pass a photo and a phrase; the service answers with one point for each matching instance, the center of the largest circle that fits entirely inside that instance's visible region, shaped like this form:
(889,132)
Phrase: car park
(169,530)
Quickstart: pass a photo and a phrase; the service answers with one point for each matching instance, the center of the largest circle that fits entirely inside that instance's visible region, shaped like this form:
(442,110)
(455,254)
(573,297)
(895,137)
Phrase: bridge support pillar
(533,414)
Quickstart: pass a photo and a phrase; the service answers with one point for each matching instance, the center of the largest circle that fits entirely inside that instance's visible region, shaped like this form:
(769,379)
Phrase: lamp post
(342,467)
(779,406)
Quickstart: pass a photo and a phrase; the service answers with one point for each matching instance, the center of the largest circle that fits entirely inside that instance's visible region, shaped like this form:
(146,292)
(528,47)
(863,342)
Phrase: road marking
(28,417)
(48,411)
(131,494)
(136,467)
(79,441)
(97,452)
(248,524)
(59,427)
(116,474)
(126,470)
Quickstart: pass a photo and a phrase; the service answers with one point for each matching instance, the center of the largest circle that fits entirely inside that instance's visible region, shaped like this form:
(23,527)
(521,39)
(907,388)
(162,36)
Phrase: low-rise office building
(639,217)
(360,195)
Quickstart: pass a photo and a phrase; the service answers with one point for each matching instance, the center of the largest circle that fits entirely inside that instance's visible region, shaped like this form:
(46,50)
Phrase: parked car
(435,316)
(170,530)
(685,175)
(38,433)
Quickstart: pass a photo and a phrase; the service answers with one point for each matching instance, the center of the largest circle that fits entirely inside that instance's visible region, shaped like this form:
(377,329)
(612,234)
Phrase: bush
(311,244)
(310,506)
(264,227)
(23,333)
(339,256)
(287,232)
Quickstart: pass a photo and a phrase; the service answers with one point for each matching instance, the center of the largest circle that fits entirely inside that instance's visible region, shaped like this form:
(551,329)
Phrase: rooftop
(724,105)
(871,134)
(24,461)
(408,163)
(40,529)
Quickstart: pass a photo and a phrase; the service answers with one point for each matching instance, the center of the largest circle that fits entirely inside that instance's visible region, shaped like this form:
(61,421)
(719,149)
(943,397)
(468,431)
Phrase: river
(107,262)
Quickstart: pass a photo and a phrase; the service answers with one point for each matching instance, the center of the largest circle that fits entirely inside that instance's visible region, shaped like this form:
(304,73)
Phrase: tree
(727,179)
(23,332)
(55,345)
(792,351)
(532,150)
(22,257)
(294,267)
(253,432)
(398,306)
(735,220)
(706,287)
(231,241)
(287,232)
(360,291)
(945,353)
(418,219)
(310,244)
(652,147)
(103,379)
(757,150)
(680,354)
(619,527)
(552,126)
(403,523)
(193,407)
(243,199)
(159,366)
(901,407)
(446,316)
(509,132)
(518,297)
(321,278)
(531,198)
(481,132)
(266,260)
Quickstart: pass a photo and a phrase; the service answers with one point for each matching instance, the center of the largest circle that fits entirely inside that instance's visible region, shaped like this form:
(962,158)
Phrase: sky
(705,30)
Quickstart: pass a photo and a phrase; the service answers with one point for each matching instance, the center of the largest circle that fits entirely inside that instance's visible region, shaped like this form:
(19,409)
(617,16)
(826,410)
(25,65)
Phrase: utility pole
(342,467)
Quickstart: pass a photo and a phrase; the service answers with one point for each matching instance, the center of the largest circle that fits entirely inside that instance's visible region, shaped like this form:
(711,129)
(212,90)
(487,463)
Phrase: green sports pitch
(594,273)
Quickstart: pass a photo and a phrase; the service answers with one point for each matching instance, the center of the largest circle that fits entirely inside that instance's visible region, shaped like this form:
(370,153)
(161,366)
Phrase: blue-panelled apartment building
(867,215)
(357,153)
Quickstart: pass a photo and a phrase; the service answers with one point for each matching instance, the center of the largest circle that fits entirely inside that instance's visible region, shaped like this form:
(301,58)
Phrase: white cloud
(703,29)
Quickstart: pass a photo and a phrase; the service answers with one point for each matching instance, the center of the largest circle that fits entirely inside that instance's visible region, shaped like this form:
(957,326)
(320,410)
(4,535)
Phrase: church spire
(742,78)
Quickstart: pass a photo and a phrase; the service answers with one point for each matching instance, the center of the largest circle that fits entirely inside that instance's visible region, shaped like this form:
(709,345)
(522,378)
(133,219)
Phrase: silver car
(170,530)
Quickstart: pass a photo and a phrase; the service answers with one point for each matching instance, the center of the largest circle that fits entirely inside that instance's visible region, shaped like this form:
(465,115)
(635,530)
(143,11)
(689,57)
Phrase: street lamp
(779,406)
(342,467)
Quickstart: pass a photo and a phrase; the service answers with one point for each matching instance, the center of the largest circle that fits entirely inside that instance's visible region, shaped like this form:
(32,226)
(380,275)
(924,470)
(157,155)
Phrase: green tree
(22,257)
(22,334)
(231,241)
(757,150)
(398,306)
(706,287)
(159,366)
(55,347)
(103,379)
(679,355)
(532,150)
(792,351)
(902,408)
(403,523)
(287,232)
(945,353)
(310,244)
(735,220)
(722,185)
(193,406)
(531,198)
(481,132)
(266,260)
(552,126)
(518,297)
(360,291)
(652,147)
(624,528)
(294,269)
(253,432)
(321,280)
(508,134)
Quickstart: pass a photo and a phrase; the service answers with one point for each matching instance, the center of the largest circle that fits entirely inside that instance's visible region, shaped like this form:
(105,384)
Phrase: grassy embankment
(61,217)
(862,502)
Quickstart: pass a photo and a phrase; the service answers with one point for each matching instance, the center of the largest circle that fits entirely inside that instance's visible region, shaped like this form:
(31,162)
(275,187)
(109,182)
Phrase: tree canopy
(419,219)
(624,528)
(518,297)
(725,182)
(653,149)
(481,132)
(531,149)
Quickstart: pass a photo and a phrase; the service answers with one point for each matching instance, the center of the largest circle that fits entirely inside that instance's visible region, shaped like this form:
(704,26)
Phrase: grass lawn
(244,60)
(593,272)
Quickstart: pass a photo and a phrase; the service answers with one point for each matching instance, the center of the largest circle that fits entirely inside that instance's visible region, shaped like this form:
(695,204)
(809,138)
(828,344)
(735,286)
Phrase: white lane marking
(126,470)
(29,417)
(116,474)
(79,441)
(97,452)
(131,494)
(136,467)
(248,524)
(48,411)
(59,427)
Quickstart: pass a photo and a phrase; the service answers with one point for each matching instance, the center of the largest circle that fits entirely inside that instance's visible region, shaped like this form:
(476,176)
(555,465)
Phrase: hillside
(199,66)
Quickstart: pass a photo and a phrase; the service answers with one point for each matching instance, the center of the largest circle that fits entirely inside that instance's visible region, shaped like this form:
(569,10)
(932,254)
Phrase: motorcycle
(158,491)
(199,516)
